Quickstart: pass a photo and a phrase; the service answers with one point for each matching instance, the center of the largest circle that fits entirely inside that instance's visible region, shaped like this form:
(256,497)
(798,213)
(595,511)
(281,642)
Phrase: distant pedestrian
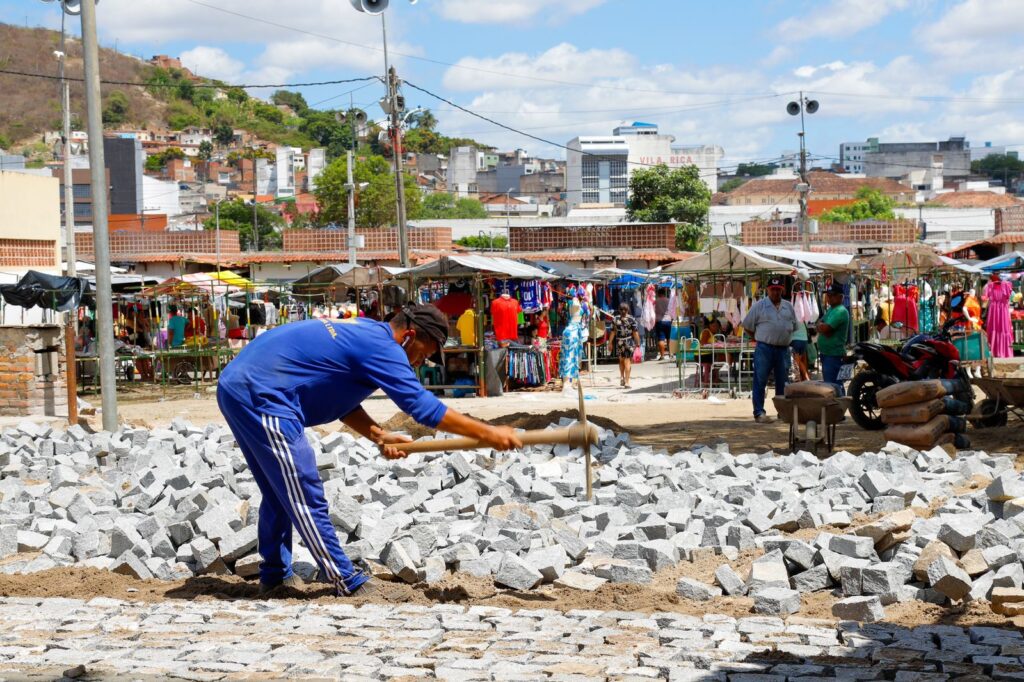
(625,339)
(798,344)
(663,323)
(771,322)
(833,330)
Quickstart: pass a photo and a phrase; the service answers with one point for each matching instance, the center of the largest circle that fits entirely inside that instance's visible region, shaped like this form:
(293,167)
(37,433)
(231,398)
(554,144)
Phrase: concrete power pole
(100,207)
(395,115)
(351,187)
(69,193)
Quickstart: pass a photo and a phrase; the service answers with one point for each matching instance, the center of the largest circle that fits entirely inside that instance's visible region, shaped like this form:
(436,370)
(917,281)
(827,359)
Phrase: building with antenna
(598,167)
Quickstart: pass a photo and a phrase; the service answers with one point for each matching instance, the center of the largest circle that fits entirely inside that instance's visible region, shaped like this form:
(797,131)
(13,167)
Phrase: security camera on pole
(393,105)
(804,187)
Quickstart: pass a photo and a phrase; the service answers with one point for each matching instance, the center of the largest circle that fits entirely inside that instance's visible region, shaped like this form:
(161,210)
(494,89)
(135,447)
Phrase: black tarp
(52,292)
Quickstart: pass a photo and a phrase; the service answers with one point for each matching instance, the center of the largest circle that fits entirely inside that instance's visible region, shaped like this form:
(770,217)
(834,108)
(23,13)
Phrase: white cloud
(777,56)
(839,18)
(564,62)
(977,34)
(513,11)
(212,62)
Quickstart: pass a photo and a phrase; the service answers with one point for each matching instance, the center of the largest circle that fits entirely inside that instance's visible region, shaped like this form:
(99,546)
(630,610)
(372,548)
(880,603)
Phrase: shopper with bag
(625,339)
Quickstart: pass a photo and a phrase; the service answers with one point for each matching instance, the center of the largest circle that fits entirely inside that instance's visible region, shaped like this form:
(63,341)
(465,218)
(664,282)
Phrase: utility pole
(69,193)
(794,108)
(255,221)
(351,187)
(100,229)
(396,146)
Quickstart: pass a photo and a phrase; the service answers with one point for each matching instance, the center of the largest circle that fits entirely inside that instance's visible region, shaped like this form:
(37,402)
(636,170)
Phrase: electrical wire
(439,62)
(342,81)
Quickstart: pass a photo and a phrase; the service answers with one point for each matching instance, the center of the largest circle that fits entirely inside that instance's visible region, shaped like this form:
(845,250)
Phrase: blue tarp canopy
(1008,261)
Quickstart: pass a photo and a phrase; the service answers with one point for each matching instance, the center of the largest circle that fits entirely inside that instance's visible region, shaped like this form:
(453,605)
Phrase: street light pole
(69,193)
(100,229)
(396,148)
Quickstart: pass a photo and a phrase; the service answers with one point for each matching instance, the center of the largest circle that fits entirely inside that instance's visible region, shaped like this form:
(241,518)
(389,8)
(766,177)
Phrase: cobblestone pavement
(212,640)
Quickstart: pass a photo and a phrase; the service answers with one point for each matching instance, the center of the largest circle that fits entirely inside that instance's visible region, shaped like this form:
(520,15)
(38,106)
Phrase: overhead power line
(428,60)
(143,84)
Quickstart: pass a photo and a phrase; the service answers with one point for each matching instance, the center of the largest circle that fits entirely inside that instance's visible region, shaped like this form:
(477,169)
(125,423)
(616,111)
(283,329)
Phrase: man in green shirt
(833,330)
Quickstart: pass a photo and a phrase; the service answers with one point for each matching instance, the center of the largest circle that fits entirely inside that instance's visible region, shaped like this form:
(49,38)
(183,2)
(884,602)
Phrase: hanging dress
(572,343)
(997,324)
(904,306)
(649,317)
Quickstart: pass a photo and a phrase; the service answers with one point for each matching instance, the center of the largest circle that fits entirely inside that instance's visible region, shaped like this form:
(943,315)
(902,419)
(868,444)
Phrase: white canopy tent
(733,259)
(447,266)
(812,259)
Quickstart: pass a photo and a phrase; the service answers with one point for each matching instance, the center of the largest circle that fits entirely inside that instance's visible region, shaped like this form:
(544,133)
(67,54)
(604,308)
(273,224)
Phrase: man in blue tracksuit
(313,372)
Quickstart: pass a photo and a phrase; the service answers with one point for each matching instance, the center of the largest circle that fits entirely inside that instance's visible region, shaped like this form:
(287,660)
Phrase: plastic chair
(689,351)
(719,360)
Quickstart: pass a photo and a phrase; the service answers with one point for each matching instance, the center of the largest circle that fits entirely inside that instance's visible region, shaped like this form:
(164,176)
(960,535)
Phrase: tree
(999,167)
(5,142)
(871,204)
(754,170)
(224,134)
(375,199)
(730,185)
(483,242)
(444,205)
(154,162)
(237,217)
(205,150)
(117,108)
(295,100)
(678,195)
(323,127)
(424,120)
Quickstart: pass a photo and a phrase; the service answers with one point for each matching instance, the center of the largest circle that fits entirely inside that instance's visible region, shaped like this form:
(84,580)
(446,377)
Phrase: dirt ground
(662,422)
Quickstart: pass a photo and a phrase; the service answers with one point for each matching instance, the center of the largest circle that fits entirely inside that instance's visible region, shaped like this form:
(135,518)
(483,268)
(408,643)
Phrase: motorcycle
(921,357)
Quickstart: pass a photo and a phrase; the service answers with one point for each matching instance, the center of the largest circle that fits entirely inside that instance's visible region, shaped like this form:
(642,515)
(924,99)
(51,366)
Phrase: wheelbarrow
(812,420)
(1002,396)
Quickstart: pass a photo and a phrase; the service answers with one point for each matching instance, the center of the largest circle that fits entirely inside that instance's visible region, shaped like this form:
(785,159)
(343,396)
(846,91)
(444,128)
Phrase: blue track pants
(284,467)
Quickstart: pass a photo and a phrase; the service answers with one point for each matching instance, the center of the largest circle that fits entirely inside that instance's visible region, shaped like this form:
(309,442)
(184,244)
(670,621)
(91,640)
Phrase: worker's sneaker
(369,589)
(764,419)
(294,582)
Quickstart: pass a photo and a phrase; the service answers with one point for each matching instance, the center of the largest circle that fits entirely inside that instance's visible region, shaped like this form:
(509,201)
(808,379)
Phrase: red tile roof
(822,182)
(975,200)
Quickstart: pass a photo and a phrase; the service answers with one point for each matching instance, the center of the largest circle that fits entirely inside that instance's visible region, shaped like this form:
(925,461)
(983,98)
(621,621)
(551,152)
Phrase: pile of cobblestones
(173,503)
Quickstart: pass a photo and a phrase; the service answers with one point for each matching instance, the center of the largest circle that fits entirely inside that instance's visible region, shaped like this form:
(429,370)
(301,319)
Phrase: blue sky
(707,72)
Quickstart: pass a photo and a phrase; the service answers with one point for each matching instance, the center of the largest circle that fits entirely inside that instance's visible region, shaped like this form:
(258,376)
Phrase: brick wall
(28,253)
(768,233)
(593,237)
(33,371)
(381,239)
(1010,219)
(124,245)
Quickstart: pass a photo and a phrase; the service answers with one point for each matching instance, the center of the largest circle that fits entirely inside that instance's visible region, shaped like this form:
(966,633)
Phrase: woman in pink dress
(997,325)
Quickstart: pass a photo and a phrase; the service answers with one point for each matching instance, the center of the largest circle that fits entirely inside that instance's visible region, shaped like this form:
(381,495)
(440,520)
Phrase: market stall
(491,346)
(341,290)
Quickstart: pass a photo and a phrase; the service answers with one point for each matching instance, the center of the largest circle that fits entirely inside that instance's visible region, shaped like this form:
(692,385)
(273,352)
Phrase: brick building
(380,239)
(30,226)
(776,232)
(771,191)
(610,236)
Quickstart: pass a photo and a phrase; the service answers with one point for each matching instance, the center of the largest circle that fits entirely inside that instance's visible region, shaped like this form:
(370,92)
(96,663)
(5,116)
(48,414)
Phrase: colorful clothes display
(649,316)
(571,350)
(466,326)
(997,324)
(527,366)
(904,306)
(505,317)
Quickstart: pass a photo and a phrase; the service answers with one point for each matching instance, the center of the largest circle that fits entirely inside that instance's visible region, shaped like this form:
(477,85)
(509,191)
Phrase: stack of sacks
(923,414)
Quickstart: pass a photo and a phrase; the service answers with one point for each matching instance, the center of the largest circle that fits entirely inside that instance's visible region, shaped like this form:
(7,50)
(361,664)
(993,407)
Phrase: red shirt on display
(505,313)
(454,304)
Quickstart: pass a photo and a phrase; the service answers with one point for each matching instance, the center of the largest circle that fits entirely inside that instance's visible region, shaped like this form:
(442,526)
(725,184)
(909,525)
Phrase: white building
(979,153)
(284,172)
(463,165)
(161,197)
(851,154)
(598,167)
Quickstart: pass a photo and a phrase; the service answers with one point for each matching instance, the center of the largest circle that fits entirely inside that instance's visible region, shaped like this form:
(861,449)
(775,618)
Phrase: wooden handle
(573,436)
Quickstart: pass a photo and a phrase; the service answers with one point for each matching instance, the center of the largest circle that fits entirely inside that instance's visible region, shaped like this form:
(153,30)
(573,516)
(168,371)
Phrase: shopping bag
(638,355)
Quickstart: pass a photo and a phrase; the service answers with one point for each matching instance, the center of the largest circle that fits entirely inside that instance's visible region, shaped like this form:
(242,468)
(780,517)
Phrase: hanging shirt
(454,303)
(505,313)
(529,297)
(466,327)
(317,371)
